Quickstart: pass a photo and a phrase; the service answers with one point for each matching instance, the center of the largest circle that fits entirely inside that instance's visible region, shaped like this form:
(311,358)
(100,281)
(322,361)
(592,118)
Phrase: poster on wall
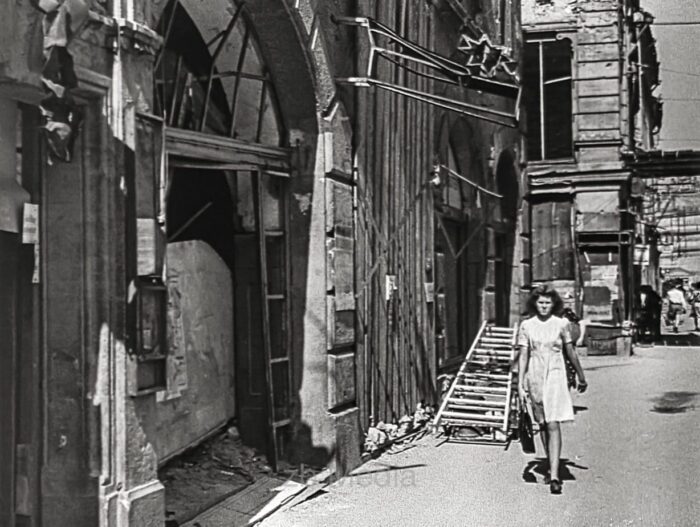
(601,292)
(597,304)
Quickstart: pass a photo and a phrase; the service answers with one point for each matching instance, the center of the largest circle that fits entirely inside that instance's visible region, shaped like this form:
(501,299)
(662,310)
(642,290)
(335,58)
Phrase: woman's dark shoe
(555,486)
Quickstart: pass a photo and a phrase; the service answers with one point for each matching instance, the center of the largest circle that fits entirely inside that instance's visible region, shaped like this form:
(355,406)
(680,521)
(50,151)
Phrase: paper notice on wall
(30,223)
(37,263)
(390,286)
(429,288)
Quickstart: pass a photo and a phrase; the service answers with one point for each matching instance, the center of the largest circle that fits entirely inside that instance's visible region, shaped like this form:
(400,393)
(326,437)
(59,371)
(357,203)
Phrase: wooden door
(19,335)
(261,311)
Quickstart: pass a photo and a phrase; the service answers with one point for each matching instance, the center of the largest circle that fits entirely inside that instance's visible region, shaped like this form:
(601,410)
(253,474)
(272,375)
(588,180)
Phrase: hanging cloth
(62,117)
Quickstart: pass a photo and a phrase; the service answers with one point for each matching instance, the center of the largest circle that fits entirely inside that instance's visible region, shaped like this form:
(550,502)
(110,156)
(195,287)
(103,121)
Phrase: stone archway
(305,93)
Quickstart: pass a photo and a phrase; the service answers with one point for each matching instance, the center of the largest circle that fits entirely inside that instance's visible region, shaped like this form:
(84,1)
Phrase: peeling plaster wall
(201,283)
(556,11)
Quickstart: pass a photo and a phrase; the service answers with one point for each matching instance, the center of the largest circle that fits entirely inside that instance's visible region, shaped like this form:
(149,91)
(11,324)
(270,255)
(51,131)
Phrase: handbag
(525,434)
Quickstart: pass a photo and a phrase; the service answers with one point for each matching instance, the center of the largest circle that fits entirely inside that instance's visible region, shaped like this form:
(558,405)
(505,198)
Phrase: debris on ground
(208,473)
(391,437)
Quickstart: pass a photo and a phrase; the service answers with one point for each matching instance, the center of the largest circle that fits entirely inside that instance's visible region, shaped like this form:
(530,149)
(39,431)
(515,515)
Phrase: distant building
(671,213)
(589,72)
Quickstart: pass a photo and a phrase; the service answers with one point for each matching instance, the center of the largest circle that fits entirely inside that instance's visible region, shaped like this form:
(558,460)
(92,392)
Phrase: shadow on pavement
(603,366)
(386,468)
(541,466)
(579,409)
(674,402)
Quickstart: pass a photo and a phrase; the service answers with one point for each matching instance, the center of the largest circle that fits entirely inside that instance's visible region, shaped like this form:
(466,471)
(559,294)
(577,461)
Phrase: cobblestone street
(630,460)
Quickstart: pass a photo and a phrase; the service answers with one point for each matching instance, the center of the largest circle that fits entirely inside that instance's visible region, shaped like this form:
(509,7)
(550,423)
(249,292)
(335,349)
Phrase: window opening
(548,85)
(214,80)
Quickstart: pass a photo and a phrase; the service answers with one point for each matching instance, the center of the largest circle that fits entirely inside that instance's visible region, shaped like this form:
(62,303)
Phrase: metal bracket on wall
(483,58)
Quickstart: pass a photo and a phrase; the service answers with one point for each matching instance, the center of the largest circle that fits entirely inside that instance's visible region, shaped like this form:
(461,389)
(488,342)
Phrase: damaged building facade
(590,69)
(206,217)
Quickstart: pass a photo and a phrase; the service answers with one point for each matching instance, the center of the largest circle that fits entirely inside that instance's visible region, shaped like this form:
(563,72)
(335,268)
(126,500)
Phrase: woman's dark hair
(548,291)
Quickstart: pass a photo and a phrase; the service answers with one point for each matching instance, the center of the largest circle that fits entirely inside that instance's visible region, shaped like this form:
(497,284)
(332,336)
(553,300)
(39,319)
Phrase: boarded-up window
(552,248)
(547,82)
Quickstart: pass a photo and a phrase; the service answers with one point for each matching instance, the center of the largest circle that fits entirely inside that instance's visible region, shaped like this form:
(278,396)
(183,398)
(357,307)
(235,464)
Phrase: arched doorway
(227,189)
(508,187)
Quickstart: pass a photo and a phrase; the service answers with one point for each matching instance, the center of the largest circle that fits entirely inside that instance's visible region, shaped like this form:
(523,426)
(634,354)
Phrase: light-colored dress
(545,380)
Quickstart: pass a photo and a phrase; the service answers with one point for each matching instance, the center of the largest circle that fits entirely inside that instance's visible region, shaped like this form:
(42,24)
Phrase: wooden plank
(597,154)
(542,241)
(599,104)
(10,244)
(565,256)
(29,373)
(598,135)
(605,51)
(597,5)
(479,389)
(598,35)
(365,140)
(610,69)
(187,143)
(260,214)
(473,417)
(496,340)
(341,379)
(475,402)
(597,88)
(598,121)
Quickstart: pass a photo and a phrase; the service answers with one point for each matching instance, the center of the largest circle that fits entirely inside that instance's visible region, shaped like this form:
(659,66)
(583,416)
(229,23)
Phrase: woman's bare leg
(554,448)
(544,436)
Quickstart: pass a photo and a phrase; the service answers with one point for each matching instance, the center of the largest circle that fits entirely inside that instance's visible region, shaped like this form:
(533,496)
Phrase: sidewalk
(625,461)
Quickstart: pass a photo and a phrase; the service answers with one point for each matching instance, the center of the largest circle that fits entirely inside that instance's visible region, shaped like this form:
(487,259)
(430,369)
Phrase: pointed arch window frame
(220,39)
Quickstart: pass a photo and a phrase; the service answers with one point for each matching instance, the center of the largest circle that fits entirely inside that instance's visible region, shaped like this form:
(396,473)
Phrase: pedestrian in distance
(649,314)
(677,306)
(695,304)
(543,340)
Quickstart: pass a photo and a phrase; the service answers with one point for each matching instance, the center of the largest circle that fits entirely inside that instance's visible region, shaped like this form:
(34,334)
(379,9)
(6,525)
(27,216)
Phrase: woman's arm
(573,357)
(523,360)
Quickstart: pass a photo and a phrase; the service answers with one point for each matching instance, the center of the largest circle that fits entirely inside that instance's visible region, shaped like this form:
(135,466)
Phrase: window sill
(546,162)
(149,391)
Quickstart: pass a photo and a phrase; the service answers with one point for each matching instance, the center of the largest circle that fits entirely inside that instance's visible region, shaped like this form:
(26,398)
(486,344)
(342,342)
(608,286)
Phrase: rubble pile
(208,473)
(389,436)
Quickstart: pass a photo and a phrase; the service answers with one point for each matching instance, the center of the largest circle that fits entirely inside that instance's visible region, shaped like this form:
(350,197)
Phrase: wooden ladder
(481,394)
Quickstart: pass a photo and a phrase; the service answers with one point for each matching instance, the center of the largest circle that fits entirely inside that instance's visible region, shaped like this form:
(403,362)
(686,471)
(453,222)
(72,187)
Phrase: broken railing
(487,69)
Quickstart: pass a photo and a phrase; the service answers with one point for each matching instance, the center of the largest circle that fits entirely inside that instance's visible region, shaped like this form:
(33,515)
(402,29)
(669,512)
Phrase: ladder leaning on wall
(484,389)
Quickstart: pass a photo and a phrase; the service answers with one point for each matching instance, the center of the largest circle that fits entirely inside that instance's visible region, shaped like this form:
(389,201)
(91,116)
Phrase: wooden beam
(197,145)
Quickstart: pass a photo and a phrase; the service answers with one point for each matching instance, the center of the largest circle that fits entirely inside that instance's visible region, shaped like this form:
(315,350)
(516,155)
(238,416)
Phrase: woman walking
(543,340)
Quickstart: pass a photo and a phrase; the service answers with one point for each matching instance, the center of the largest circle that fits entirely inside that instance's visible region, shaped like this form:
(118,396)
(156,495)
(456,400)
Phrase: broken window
(552,245)
(210,76)
(548,91)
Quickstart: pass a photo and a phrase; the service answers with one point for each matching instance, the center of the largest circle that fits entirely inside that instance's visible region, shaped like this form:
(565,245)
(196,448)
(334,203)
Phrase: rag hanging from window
(62,117)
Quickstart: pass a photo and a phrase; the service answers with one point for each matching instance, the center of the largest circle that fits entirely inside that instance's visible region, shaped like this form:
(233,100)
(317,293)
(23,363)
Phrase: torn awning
(487,69)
